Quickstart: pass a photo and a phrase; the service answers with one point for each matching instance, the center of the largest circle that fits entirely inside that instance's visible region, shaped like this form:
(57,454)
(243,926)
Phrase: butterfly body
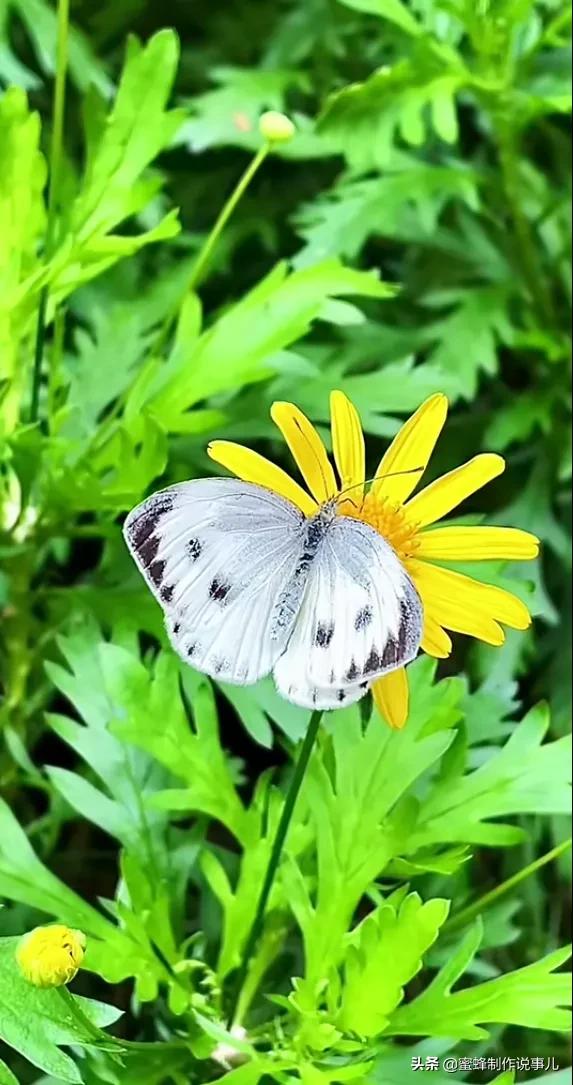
(249,585)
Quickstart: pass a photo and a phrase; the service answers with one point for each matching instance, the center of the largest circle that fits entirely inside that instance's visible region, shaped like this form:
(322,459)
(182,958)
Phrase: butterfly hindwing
(217,554)
(360,617)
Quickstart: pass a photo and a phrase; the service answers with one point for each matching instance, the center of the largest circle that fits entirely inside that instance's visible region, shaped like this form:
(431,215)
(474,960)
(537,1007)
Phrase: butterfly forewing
(217,554)
(360,617)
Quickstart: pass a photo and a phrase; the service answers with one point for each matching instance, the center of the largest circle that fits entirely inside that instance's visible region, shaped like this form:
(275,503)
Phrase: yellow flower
(50,956)
(451,601)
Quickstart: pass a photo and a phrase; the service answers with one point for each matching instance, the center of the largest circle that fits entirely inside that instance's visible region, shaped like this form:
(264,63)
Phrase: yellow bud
(276,127)
(50,956)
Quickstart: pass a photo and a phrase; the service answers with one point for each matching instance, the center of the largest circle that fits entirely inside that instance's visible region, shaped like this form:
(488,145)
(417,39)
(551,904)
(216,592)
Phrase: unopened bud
(276,127)
(50,956)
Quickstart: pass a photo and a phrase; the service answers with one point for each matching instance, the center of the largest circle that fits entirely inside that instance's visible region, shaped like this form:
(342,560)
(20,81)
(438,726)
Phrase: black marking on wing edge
(167,592)
(156,570)
(176,628)
(219,590)
(191,649)
(373,663)
(341,695)
(324,634)
(391,653)
(194,549)
(148,549)
(145,525)
(403,630)
(363,618)
(352,672)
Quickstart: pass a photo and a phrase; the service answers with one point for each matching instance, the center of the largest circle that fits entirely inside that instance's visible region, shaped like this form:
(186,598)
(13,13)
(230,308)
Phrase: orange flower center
(388,520)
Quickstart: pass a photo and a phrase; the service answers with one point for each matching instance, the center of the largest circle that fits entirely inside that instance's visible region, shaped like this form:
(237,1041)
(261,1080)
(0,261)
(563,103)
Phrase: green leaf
(241,346)
(37,1022)
(525,776)
(114,186)
(467,340)
(407,100)
(393,10)
(353,790)
(193,754)
(41,26)
(6,1075)
(229,115)
(108,684)
(405,204)
(533,997)
(385,952)
(22,179)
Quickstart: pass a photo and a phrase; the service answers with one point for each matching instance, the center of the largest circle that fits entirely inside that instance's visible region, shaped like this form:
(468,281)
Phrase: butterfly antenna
(376,478)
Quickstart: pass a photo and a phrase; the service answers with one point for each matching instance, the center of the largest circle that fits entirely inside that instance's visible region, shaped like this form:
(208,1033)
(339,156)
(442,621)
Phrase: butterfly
(249,585)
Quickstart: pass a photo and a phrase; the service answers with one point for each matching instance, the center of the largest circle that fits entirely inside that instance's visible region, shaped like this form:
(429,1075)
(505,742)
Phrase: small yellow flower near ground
(452,602)
(50,956)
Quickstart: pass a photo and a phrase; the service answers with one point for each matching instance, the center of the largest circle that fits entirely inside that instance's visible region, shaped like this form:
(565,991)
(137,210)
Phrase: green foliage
(413,237)
(37,1022)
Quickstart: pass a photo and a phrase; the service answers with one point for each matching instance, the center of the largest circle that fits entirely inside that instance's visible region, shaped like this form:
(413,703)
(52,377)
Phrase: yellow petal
(348,445)
(477,544)
(307,450)
(465,605)
(411,448)
(435,641)
(392,696)
(251,467)
(443,495)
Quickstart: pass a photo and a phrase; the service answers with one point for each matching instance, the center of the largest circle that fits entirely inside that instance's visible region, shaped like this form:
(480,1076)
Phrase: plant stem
(111,1044)
(53,190)
(224,216)
(467,914)
(209,244)
(282,830)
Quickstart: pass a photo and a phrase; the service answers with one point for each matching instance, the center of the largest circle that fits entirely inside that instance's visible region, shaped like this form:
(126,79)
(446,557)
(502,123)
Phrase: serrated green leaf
(385,952)
(533,996)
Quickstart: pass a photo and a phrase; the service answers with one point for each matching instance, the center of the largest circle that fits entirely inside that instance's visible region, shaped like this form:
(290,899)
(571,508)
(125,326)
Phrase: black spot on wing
(176,627)
(167,592)
(341,695)
(390,655)
(194,549)
(373,663)
(156,570)
(352,673)
(191,649)
(324,634)
(219,590)
(363,618)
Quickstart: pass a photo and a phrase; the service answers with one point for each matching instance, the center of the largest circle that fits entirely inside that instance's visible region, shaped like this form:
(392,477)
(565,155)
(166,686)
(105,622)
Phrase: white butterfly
(250,585)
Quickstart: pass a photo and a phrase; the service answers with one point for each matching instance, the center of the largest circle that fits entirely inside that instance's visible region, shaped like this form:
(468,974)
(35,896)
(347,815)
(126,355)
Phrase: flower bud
(50,956)
(276,127)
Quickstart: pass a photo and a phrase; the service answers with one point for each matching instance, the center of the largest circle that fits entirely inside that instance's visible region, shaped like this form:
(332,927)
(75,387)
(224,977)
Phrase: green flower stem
(53,191)
(467,914)
(282,830)
(224,216)
(208,246)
